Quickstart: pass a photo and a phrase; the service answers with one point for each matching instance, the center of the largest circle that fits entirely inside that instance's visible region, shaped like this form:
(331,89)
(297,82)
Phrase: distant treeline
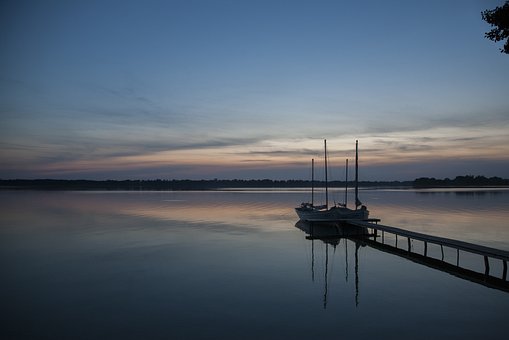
(159,184)
(54,184)
(460,181)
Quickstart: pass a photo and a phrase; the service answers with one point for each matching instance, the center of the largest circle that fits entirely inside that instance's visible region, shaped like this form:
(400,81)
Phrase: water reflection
(332,235)
(479,218)
(175,265)
(242,209)
(476,216)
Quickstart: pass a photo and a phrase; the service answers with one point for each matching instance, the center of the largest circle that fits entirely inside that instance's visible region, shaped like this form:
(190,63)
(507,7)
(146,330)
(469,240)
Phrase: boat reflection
(332,235)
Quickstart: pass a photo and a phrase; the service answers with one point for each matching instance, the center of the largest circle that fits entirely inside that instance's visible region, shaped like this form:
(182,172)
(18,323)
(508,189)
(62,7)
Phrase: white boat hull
(331,215)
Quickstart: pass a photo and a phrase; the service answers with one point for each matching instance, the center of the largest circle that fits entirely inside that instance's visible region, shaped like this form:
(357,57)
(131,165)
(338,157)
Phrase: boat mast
(312,181)
(326,184)
(356,173)
(346,183)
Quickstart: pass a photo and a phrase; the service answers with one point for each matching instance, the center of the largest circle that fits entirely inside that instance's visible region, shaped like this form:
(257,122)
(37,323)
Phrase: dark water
(173,265)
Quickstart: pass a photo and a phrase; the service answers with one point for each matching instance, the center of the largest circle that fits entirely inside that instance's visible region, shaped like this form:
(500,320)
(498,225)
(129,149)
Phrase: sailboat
(338,212)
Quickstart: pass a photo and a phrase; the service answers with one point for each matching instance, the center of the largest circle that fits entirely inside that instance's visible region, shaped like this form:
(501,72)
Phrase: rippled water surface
(233,264)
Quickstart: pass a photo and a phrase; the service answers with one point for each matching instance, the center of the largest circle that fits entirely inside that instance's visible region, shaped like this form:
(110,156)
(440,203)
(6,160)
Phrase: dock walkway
(469,247)
(486,252)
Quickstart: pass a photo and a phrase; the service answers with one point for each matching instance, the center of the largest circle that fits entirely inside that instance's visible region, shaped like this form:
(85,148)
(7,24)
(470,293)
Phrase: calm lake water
(233,264)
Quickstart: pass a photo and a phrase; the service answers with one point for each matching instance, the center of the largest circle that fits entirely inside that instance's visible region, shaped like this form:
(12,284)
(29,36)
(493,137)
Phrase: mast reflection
(331,235)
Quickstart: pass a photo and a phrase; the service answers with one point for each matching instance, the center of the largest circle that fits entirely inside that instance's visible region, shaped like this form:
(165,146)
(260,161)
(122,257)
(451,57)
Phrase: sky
(250,89)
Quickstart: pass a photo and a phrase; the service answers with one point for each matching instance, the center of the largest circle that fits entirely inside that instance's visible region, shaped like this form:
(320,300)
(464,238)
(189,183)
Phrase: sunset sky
(249,89)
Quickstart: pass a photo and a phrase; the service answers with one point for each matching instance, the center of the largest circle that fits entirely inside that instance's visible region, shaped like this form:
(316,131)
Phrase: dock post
(396,240)
(425,248)
(375,231)
(409,246)
(504,273)
(457,257)
(442,249)
(486,265)
(383,237)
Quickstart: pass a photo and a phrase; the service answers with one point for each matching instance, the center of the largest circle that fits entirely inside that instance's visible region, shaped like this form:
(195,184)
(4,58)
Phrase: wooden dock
(370,233)
(484,251)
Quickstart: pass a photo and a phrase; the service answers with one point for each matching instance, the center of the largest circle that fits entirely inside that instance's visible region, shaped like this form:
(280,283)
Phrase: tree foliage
(460,181)
(498,18)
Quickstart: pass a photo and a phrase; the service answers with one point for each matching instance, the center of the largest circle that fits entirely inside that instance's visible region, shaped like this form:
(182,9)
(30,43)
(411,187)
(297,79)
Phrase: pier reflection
(484,279)
(332,234)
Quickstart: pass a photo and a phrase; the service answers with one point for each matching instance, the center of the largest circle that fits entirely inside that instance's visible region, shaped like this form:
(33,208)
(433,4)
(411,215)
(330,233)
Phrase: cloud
(286,153)
(88,107)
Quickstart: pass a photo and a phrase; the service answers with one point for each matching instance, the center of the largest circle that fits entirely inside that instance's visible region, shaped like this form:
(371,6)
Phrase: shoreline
(227,185)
